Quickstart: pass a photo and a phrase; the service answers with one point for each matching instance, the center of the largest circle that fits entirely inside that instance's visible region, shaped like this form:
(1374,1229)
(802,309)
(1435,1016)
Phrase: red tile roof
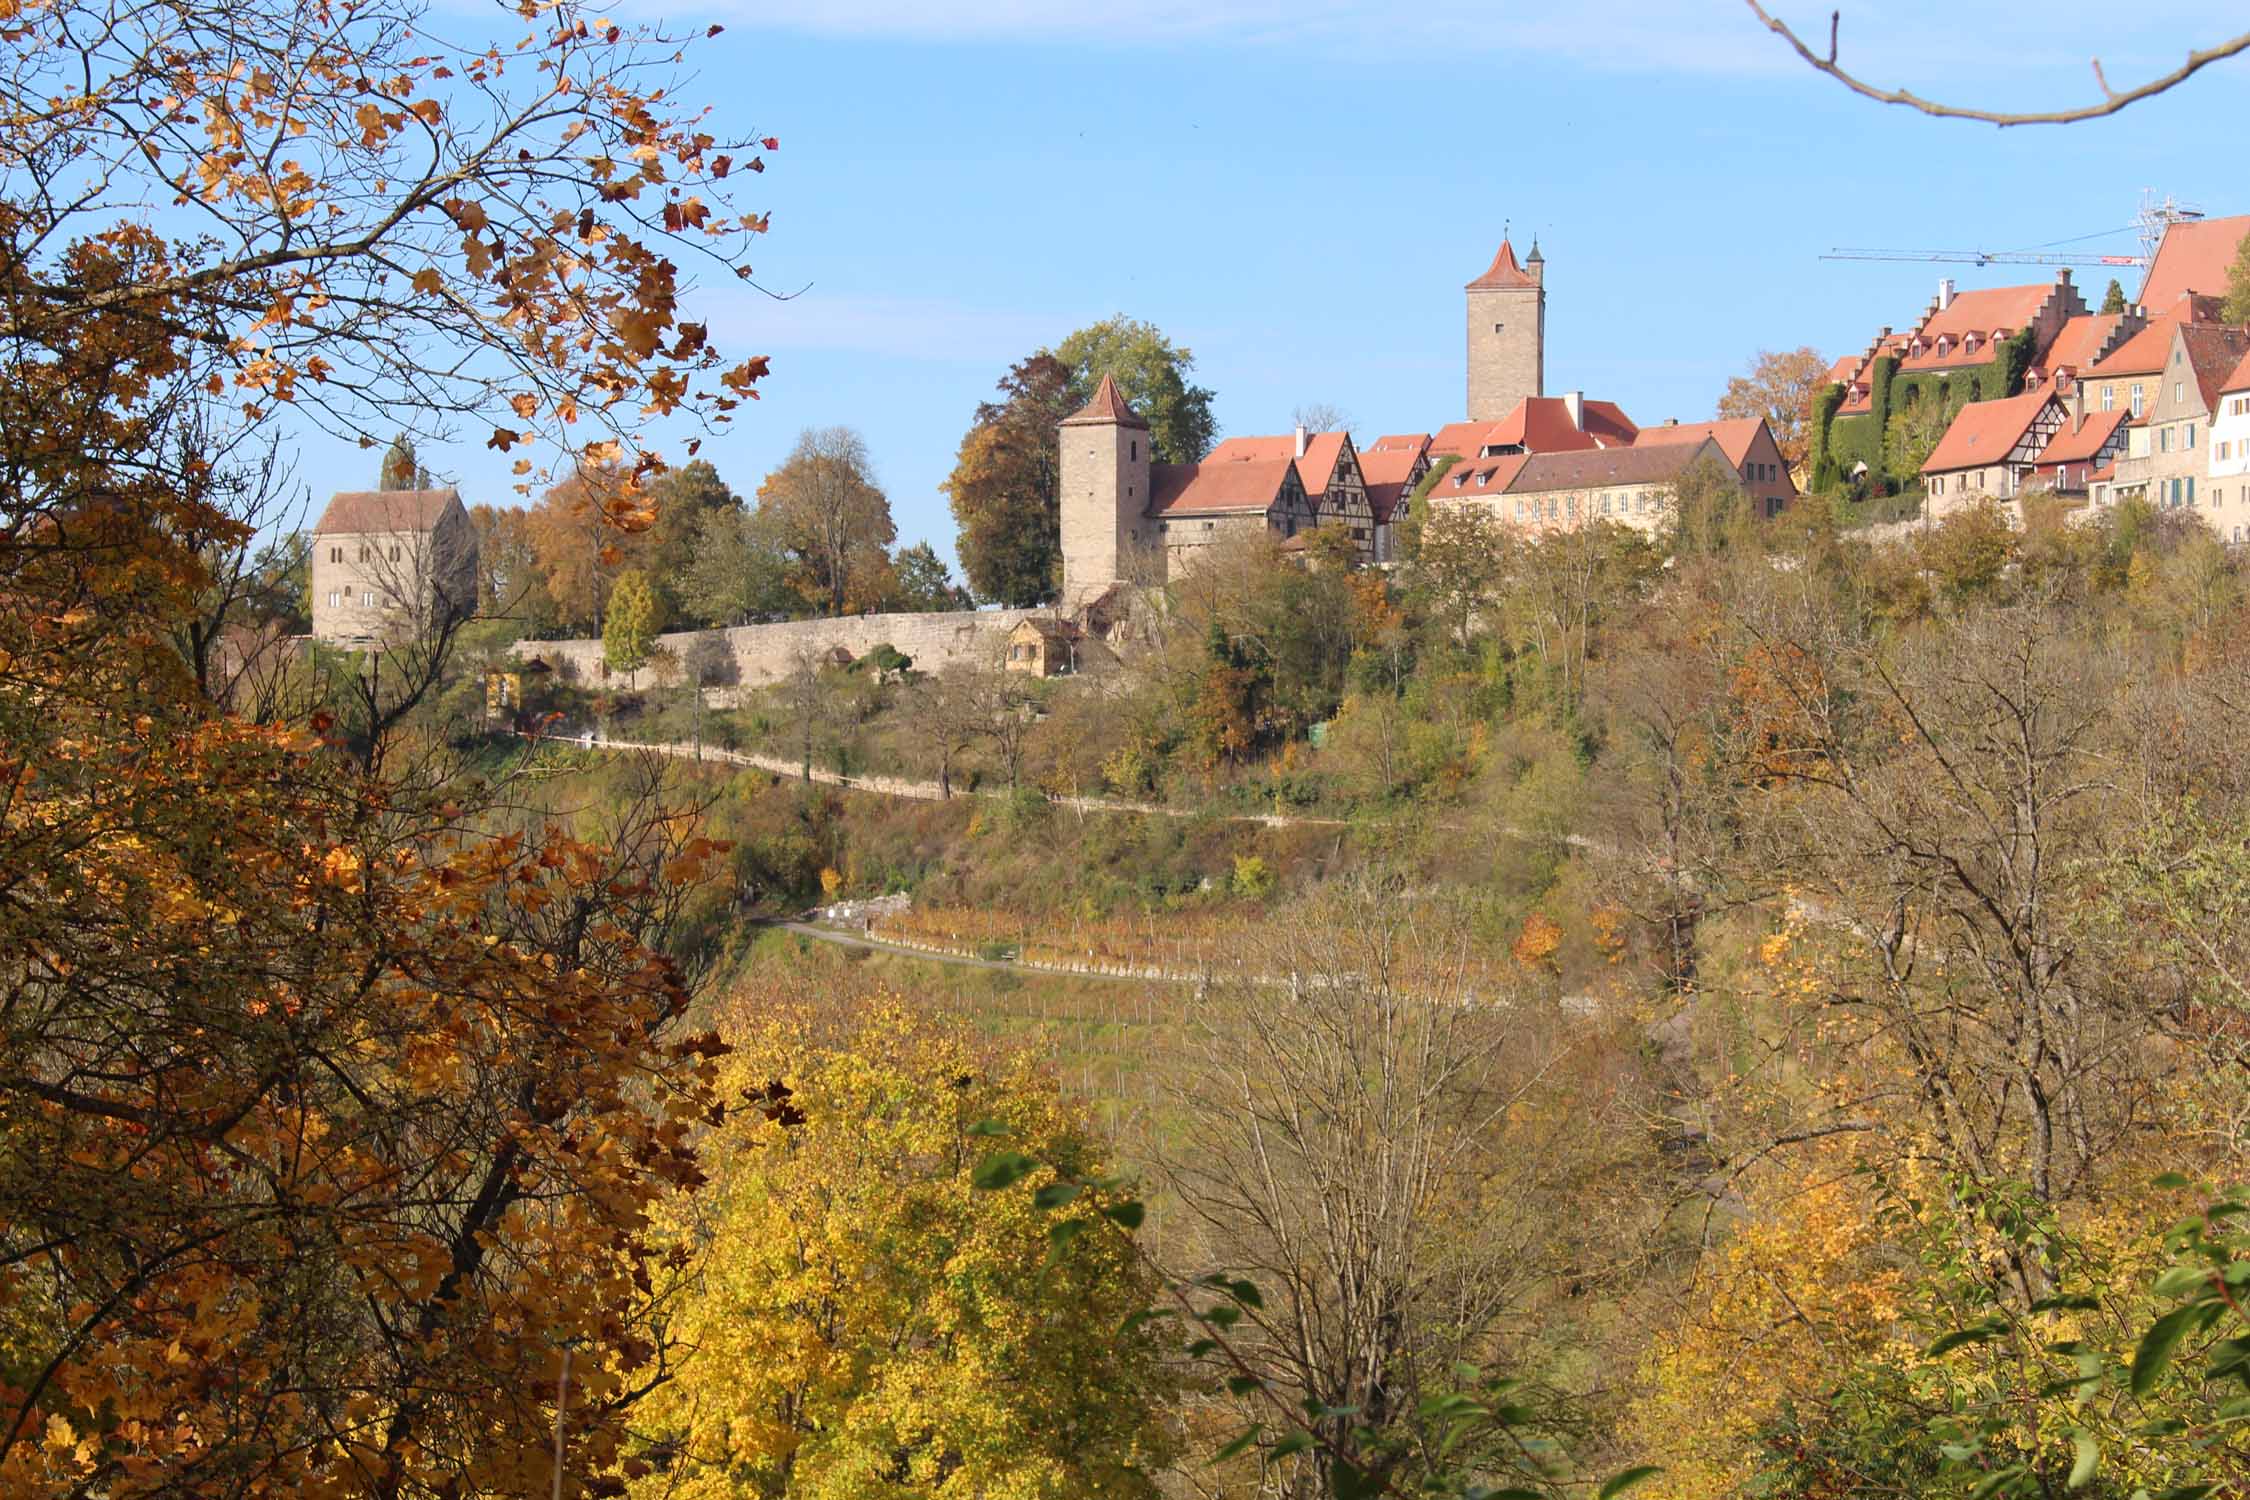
(1192,489)
(1388,472)
(2080,341)
(2143,354)
(1107,408)
(1987,308)
(1841,372)
(2001,310)
(1733,435)
(1609,425)
(1503,272)
(1987,431)
(2239,381)
(1540,424)
(364,511)
(1601,467)
(1460,439)
(2192,257)
(1472,477)
(2070,445)
(1414,441)
(2213,350)
(1864,375)
(1323,450)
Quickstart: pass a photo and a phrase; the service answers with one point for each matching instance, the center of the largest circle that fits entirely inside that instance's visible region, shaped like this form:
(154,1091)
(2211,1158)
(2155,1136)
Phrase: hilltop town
(1570,950)
(2020,396)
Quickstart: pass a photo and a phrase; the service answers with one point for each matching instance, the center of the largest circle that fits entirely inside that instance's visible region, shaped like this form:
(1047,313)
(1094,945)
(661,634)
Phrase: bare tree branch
(2112,101)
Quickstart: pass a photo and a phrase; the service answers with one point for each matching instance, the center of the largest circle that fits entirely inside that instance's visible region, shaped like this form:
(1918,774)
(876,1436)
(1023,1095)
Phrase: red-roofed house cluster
(1530,459)
(2132,407)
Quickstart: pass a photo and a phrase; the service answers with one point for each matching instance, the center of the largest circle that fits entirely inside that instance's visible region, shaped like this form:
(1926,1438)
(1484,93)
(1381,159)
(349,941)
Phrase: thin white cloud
(1897,41)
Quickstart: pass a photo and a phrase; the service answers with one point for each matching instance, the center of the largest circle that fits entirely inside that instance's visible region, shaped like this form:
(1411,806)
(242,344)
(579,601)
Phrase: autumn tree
(331,1119)
(735,574)
(2236,308)
(511,584)
(855,1305)
(823,509)
(1152,373)
(1459,566)
(635,618)
(687,500)
(1004,485)
(1780,387)
(578,549)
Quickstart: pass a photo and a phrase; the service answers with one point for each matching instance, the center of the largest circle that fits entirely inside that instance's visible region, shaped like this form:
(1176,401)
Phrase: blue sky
(1296,191)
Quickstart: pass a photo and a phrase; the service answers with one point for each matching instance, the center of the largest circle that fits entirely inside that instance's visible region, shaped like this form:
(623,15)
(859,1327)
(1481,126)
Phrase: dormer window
(1969,344)
(1944,344)
(1482,476)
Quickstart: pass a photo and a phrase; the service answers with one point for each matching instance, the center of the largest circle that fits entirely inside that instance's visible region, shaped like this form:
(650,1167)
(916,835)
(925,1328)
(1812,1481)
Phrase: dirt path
(928,791)
(844,939)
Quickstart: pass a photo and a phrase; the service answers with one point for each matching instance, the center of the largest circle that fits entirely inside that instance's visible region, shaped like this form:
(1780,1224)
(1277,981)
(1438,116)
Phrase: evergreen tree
(401,469)
(2113,300)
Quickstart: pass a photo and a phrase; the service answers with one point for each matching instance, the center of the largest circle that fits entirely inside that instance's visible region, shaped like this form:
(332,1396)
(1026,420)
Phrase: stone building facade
(1128,520)
(2166,450)
(1545,492)
(1507,328)
(385,561)
(1107,537)
(2230,450)
(1990,451)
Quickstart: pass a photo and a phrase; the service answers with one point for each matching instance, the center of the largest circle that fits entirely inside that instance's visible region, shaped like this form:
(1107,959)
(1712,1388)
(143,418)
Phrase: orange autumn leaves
(371,203)
(329,1115)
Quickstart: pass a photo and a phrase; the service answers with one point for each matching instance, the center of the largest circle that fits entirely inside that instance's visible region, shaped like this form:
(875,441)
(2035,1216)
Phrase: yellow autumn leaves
(857,1317)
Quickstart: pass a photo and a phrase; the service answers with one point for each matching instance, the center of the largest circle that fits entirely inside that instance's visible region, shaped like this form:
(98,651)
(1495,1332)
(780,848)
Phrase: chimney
(1300,440)
(1574,402)
(1944,293)
(2077,405)
(1671,421)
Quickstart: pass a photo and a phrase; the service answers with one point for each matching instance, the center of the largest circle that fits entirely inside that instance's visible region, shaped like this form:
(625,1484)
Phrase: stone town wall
(767,653)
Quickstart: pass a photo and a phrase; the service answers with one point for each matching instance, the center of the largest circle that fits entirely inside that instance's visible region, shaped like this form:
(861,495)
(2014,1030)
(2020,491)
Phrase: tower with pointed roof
(1507,333)
(1104,500)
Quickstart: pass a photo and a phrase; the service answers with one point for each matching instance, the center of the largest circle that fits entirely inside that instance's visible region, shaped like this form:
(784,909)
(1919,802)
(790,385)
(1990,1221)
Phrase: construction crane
(1988,257)
(2155,216)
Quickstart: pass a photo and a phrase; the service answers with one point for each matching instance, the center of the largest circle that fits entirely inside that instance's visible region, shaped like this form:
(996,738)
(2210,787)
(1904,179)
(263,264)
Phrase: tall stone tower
(1104,484)
(1507,334)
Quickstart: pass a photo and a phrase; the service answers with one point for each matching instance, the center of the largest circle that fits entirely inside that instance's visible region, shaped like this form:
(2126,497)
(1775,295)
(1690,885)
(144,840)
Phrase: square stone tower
(1104,484)
(1507,334)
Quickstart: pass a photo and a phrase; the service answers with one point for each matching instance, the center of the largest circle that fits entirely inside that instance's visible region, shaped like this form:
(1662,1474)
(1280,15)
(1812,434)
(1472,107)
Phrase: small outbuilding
(506,684)
(1044,647)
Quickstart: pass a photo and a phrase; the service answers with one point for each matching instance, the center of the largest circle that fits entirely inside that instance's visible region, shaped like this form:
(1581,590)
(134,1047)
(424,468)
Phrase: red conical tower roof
(1503,272)
(1108,408)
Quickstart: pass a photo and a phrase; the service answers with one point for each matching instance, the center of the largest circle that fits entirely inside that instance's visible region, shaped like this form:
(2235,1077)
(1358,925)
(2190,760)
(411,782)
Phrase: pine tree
(401,469)
(2113,300)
